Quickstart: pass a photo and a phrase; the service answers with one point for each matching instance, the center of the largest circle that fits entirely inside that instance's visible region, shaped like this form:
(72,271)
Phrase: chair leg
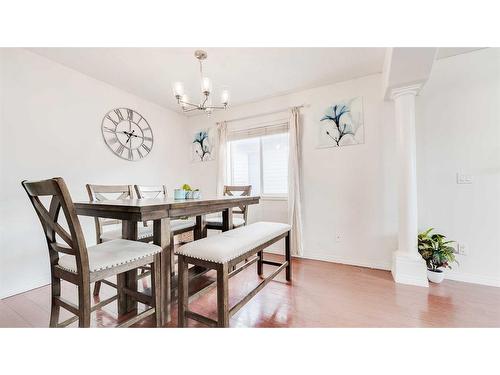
(55,309)
(84,305)
(155,290)
(182,287)
(260,265)
(144,281)
(97,288)
(288,258)
(223,295)
(172,255)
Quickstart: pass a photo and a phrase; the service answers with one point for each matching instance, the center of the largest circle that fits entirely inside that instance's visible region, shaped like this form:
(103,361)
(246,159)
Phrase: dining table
(160,212)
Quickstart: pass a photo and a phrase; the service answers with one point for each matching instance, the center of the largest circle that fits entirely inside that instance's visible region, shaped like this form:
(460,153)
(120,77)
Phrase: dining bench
(222,252)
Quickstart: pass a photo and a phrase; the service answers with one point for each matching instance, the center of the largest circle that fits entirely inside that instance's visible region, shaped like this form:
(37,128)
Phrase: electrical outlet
(462,249)
(464,178)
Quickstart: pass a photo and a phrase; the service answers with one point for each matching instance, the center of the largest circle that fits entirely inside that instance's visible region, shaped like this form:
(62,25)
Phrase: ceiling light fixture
(206,90)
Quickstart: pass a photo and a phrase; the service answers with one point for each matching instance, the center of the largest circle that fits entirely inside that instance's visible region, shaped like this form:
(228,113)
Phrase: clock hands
(129,135)
(132,134)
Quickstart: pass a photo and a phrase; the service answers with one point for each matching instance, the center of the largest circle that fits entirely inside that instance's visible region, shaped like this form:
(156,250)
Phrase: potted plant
(437,253)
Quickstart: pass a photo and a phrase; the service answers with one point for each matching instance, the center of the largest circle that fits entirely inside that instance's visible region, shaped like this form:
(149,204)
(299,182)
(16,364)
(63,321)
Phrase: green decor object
(435,250)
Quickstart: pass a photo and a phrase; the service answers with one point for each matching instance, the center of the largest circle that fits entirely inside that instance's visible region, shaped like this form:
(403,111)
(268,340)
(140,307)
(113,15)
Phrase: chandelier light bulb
(178,89)
(206,85)
(224,98)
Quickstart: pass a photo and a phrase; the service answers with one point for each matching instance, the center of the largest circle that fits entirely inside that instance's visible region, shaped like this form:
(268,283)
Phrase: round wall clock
(127,134)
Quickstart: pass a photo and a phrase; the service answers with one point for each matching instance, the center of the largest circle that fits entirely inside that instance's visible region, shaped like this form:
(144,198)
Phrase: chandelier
(206,91)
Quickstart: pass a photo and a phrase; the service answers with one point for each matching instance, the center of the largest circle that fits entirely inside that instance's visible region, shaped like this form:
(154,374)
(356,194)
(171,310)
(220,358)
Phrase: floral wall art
(342,124)
(203,145)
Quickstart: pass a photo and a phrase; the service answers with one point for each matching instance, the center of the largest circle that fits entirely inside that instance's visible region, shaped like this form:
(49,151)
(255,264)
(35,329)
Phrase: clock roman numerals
(130,115)
(150,139)
(111,119)
(109,130)
(130,154)
(145,147)
(112,141)
(119,114)
(120,149)
(140,153)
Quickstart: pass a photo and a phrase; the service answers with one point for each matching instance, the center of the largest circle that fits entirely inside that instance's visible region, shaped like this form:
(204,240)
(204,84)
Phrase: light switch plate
(464,178)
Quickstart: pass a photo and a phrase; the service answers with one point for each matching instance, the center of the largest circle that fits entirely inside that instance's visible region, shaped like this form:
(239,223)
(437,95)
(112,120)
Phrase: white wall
(51,126)
(348,191)
(458,130)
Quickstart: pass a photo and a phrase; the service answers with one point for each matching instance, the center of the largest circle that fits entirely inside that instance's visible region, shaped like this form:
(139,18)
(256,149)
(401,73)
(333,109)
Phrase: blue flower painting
(203,146)
(342,124)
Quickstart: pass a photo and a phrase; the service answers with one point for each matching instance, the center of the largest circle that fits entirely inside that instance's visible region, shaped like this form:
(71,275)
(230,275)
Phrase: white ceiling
(250,74)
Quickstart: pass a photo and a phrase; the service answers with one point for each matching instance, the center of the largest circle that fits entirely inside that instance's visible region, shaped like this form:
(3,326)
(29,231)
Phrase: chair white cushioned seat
(217,220)
(176,225)
(145,232)
(111,254)
(229,245)
(115,234)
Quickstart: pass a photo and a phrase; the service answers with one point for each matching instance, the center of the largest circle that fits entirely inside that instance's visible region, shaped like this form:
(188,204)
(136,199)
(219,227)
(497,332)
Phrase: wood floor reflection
(322,295)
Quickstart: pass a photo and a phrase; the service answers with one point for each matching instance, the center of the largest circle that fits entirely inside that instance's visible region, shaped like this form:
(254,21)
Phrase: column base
(408,269)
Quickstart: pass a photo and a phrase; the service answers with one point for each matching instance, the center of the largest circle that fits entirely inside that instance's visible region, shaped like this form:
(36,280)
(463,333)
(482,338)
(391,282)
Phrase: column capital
(405,90)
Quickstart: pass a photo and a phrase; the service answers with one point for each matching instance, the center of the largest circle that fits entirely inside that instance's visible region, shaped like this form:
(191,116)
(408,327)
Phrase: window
(260,159)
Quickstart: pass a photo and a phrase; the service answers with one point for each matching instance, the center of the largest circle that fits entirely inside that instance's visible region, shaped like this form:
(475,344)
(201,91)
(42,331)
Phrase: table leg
(200,231)
(161,237)
(227,219)
(129,280)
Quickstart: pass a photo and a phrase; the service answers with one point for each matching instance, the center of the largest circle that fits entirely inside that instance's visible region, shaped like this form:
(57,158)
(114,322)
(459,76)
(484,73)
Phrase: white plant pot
(435,277)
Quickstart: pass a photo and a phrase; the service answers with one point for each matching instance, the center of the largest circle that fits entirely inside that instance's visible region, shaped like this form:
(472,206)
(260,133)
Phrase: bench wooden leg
(288,258)
(260,264)
(223,295)
(182,300)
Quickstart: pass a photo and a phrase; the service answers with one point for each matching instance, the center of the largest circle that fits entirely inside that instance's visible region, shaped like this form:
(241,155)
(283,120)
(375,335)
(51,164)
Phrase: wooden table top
(151,209)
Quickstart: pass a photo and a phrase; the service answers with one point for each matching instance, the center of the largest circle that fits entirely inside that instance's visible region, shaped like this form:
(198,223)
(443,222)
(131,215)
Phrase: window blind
(258,131)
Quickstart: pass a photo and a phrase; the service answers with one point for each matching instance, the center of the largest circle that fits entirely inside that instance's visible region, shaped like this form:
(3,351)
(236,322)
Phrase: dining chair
(71,260)
(177,226)
(215,222)
(111,229)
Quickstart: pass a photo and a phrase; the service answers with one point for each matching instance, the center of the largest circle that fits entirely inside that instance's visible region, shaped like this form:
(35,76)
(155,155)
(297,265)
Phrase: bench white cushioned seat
(217,220)
(111,254)
(224,247)
(145,232)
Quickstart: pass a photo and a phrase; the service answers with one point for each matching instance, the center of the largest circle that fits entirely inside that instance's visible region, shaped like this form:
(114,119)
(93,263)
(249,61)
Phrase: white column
(408,267)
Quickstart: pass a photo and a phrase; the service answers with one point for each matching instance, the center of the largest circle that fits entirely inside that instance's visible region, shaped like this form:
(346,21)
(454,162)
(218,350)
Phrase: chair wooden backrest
(143,191)
(245,190)
(74,241)
(152,192)
(107,192)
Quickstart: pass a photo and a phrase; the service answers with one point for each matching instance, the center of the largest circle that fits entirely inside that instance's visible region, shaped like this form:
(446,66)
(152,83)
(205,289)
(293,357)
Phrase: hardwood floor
(322,295)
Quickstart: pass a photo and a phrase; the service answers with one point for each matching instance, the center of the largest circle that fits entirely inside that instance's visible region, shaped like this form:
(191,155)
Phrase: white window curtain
(294,209)
(222,156)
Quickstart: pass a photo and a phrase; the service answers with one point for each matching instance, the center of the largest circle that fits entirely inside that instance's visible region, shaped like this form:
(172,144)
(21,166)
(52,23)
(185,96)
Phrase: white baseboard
(381,265)
(473,278)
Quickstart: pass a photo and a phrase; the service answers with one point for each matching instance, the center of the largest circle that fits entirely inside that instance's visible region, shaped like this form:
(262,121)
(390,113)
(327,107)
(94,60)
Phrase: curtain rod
(263,114)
